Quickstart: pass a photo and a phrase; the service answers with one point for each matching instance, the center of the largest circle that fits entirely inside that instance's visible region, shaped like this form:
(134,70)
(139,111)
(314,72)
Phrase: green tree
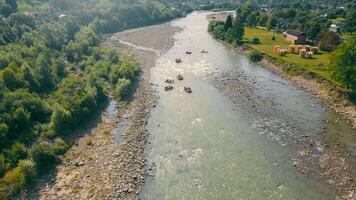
(14,182)
(5,10)
(32,83)
(350,23)
(21,118)
(3,166)
(228,23)
(60,120)
(122,88)
(12,3)
(272,22)
(43,73)
(43,156)
(344,62)
(27,167)
(255,56)
(251,20)
(15,153)
(255,40)
(11,80)
(328,40)
(238,30)
(3,135)
(262,19)
(313,29)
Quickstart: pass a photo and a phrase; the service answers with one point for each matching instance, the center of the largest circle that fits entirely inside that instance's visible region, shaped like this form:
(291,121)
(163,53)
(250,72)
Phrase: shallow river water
(203,146)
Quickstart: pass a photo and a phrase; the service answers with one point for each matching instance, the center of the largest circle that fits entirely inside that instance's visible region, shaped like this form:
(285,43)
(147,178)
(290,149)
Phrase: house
(295,37)
(30,14)
(334,28)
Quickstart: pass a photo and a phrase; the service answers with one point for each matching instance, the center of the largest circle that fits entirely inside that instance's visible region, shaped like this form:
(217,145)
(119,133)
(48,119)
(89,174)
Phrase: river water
(203,146)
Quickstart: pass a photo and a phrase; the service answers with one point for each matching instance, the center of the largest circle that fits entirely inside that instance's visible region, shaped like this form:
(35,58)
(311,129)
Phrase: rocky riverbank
(314,156)
(334,163)
(321,88)
(98,167)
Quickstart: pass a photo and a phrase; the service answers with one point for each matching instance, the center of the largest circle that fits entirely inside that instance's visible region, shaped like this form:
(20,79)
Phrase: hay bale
(292,49)
(282,52)
(315,50)
(302,53)
(309,54)
(299,47)
(307,47)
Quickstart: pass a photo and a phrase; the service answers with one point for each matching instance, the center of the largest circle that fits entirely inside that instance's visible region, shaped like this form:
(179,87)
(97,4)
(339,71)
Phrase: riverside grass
(319,64)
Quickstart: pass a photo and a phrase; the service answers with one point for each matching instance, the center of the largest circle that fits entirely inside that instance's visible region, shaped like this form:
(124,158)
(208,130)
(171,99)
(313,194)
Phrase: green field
(319,64)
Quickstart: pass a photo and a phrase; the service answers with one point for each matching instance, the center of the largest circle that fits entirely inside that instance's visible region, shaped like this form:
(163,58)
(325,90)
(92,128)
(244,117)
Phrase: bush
(2,165)
(44,157)
(27,167)
(60,146)
(122,88)
(14,182)
(255,40)
(255,56)
(15,153)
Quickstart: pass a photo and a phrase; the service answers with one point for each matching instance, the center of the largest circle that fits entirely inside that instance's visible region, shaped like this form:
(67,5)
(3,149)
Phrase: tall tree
(350,23)
(228,23)
(272,22)
(12,3)
(43,73)
(238,30)
(251,20)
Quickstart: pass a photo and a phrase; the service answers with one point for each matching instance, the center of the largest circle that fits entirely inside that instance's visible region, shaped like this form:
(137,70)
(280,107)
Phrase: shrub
(44,157)
(122,88)
(27,167)
(89,142)
(255,56)
(14,181)
(255,40)
(60,146)
(15,153)
(2,165)
(60,119)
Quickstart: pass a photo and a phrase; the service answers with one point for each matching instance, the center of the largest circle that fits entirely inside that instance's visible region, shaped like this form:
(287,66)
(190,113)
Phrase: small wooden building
(295,37)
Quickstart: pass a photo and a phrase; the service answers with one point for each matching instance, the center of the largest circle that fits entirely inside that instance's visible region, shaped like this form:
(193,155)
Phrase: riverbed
(243,133)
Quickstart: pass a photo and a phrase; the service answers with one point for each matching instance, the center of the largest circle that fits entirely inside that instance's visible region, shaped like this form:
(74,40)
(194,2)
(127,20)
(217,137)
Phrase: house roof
(294,32)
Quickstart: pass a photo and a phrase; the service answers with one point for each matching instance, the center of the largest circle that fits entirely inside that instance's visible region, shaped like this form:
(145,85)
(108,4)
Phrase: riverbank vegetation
(54,76)
(260,26)
(215,5)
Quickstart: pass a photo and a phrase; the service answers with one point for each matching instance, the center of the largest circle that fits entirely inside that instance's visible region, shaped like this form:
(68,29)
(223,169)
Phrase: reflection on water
(205,147)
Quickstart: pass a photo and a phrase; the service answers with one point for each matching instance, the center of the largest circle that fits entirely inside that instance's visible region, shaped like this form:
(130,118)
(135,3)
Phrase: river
(204,146)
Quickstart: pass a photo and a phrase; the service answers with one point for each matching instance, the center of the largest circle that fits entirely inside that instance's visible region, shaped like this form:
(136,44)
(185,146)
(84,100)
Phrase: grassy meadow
(319,64)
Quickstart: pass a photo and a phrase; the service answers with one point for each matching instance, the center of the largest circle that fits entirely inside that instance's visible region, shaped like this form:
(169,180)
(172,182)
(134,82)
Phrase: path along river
(204,146)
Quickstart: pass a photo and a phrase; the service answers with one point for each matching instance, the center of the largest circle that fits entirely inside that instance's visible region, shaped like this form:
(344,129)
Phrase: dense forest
(54,75)
(314,18)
